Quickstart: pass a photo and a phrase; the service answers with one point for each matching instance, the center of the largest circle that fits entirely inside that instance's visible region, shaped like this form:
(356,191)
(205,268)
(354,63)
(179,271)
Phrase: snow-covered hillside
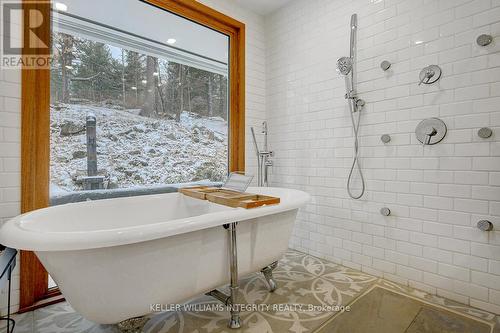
(136,151)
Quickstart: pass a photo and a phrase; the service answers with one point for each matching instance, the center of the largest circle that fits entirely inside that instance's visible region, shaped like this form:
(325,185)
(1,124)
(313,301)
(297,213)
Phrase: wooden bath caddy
(228,197)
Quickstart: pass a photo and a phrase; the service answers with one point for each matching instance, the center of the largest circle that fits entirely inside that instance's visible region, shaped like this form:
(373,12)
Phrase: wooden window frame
(35,131)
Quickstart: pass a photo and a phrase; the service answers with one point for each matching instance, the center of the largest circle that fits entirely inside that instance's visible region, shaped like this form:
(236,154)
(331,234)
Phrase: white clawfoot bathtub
(113,259)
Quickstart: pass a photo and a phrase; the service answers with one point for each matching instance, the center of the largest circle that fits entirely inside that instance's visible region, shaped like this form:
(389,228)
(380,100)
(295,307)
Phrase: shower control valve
(430,74)
(431,131)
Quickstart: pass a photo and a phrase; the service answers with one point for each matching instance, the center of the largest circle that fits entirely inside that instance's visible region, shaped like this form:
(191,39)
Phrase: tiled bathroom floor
(302,280)
(383,310)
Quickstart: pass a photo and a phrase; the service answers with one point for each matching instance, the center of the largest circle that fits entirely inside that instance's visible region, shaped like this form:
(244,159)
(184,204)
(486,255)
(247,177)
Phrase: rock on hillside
(136,151)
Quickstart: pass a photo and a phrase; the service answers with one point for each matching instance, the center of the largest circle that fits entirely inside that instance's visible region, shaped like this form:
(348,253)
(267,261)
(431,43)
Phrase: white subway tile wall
(436,193)
(10,166)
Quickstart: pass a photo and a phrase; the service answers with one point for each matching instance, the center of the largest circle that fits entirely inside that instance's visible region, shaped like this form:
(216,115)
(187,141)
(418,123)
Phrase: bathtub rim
(12,234)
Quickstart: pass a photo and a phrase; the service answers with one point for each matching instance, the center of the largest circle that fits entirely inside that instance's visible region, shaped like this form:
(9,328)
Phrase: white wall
(436,194)
(10,166)
(10,120)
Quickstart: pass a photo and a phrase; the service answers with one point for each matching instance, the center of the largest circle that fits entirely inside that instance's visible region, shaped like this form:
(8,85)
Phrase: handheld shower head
(344,65)
(354,21)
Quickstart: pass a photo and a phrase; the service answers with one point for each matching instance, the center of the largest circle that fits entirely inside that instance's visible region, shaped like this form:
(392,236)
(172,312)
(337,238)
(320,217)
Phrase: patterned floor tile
(303,281)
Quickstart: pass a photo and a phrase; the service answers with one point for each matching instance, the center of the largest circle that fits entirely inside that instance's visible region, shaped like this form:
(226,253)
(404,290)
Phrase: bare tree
(66,42)
(181,94)
(148,109)
(209,95)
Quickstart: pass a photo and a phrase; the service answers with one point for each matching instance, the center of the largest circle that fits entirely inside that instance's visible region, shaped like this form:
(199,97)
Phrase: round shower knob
(385,211)
(484,40)
(485,225)
(485,133)
(385,65)
(386,138)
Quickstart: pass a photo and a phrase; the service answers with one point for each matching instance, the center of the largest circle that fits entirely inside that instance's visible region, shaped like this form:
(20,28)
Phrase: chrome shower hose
(355,161)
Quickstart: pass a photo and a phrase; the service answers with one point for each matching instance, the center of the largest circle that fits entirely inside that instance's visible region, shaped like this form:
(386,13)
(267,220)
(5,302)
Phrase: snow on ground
(215,124)
(136,151)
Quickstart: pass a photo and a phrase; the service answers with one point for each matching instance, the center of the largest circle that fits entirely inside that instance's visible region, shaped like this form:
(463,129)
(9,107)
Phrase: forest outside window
(131,112)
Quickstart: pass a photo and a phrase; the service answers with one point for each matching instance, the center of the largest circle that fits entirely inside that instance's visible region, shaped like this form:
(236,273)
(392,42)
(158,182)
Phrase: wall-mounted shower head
(344,65)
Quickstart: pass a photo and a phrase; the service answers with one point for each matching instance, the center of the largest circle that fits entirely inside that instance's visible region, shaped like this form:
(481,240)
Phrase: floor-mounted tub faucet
(264,161)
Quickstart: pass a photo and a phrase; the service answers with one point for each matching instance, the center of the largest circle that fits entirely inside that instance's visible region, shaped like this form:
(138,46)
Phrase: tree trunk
(148,110)
(209,97)
(181,96)
(123,77)
(67,57)
(160,90)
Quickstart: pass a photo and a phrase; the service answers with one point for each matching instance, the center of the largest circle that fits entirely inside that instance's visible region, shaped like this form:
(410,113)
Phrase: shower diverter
(431,131)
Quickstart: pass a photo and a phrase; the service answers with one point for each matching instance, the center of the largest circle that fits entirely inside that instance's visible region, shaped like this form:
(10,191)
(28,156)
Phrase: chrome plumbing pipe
(231,300)
(234,322)
(263,157)
(259,160)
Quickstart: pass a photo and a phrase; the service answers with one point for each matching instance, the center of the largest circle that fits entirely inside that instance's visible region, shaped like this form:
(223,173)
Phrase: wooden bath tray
(229,198)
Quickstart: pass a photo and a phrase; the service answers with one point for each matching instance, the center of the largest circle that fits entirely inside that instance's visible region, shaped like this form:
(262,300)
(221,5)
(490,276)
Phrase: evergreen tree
(160,88)
(96,71)
(61,68)
(134,73)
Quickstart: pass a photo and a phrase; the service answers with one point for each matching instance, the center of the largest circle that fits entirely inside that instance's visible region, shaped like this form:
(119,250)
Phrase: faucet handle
(429,73)
(429,133)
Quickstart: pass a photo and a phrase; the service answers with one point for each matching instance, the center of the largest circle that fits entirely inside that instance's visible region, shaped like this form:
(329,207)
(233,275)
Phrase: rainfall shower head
(344,65)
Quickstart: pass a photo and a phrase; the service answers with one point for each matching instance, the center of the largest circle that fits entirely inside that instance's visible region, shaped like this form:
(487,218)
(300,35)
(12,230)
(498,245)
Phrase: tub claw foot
(133,325)
(234,322)
(268,275)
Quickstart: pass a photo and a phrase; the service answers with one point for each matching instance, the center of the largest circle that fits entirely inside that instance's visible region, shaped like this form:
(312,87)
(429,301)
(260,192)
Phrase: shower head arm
(354,27)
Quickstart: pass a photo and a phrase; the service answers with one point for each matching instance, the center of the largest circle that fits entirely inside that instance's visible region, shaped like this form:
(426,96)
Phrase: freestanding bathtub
(112,259)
